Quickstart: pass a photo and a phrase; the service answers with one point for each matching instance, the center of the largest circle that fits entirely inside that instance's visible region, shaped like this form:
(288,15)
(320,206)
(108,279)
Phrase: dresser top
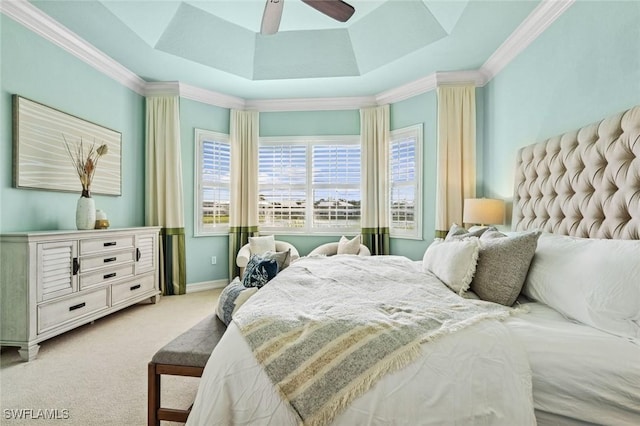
(61,234)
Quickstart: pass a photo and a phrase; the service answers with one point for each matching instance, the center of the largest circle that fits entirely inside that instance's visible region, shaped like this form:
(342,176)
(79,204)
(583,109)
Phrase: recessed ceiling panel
(447,12)
(304,54)
(135,15)
(392,31)
(209,40)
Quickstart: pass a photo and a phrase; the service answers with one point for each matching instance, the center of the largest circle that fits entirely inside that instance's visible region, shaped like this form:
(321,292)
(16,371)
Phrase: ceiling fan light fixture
(336,9)
(271,17)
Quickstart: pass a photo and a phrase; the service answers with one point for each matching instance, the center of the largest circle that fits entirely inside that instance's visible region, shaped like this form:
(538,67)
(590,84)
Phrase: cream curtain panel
(243,210)
(456,154)
(374,131)
(163,189)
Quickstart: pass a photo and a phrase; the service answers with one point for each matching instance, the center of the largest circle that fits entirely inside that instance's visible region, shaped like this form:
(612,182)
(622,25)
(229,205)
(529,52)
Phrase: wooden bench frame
(156,411)
(186,355)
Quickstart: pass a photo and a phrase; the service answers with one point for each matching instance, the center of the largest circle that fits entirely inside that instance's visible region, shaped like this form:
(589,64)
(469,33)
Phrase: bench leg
(153,395)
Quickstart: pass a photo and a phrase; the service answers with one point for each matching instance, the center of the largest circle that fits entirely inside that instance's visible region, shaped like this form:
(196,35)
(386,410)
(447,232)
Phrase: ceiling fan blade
(337,9)
(271,17)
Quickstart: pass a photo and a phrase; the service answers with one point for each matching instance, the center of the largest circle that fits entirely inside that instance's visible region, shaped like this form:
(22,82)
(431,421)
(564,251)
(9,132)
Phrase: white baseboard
(206,285)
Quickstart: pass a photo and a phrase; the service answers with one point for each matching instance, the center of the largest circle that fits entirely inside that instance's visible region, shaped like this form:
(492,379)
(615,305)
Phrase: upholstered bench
(186,355)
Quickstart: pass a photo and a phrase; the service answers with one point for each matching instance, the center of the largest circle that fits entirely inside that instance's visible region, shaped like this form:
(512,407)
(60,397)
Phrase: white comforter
(479,375)
(579,372)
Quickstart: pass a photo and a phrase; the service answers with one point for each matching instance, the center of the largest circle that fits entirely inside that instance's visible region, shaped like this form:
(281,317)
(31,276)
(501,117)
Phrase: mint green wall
(421,109)
(36,69)
(584,67)
(200,249)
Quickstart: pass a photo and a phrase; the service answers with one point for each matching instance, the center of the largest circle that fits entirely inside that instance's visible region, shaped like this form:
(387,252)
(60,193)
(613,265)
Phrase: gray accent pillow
(503,264)
(283,258)
(457,232)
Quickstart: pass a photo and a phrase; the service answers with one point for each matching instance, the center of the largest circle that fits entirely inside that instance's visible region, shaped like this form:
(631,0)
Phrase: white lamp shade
(483,211)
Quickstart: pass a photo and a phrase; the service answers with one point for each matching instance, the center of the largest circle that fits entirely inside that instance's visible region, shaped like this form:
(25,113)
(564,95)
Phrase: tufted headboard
(584,183)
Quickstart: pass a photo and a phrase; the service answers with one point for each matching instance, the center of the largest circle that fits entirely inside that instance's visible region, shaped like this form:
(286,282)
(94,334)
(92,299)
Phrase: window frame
(201,136)
(415,131)
(309,142)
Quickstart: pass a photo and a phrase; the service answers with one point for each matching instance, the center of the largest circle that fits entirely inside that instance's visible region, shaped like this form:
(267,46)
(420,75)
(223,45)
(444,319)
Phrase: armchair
(245,253)
(330,249)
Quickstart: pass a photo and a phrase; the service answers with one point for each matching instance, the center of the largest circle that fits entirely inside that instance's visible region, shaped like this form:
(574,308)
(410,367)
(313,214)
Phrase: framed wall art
(41,159)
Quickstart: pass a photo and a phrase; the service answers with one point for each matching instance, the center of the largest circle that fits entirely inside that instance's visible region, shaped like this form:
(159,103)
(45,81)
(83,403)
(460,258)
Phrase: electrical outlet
(213,260)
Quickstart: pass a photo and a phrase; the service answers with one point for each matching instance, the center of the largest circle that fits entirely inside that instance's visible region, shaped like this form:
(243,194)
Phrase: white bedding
(460,379)
(578,371)
(479,375)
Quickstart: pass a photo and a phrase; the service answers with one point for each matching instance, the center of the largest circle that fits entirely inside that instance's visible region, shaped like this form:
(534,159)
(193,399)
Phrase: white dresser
(52,282)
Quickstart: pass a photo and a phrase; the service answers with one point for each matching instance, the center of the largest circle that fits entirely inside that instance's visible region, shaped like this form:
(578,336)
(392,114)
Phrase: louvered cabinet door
(57,269)
(146,253)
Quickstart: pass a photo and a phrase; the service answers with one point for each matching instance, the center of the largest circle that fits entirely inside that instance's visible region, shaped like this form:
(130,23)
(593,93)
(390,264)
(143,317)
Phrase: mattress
(579,372)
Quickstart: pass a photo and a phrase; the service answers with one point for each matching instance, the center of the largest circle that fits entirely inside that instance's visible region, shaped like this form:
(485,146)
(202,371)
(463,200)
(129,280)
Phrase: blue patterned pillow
(231,298)
(259,271)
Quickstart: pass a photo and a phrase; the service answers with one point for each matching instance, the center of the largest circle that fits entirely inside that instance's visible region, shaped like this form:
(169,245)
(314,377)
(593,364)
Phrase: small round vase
(86,213)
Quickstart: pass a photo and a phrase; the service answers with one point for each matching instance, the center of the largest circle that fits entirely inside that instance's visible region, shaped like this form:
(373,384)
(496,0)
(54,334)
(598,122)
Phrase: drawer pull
(110,243)
(134,287)
(76,266)
(138,254)
(78,306)
(107,276)
(110,259)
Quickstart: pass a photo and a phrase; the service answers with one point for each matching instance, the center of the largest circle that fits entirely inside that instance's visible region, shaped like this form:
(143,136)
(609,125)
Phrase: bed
(549,335)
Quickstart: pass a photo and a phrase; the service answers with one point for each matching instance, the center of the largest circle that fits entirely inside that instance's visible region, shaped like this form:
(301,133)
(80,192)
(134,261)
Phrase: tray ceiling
(216,44)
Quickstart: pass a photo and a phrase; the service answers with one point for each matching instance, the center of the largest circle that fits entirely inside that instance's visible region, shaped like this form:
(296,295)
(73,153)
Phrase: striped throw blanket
(327,328)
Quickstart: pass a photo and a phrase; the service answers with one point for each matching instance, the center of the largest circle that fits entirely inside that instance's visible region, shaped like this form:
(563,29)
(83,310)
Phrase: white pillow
(594,281)
(349,246)
(453,262)
(261,245)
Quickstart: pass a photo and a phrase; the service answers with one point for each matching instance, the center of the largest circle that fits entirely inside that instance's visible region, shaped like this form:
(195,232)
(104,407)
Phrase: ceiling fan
(336,9)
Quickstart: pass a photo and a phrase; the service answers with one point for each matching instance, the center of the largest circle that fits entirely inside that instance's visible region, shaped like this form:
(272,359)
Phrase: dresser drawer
(100,244)
(105,275)
(107,260)
(124,291)
(53,314)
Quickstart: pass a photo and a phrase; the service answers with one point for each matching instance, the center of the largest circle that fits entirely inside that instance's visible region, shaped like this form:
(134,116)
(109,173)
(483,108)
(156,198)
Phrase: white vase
(86,213)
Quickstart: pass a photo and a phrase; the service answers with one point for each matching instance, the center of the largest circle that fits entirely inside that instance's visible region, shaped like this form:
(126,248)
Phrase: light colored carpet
(98,372)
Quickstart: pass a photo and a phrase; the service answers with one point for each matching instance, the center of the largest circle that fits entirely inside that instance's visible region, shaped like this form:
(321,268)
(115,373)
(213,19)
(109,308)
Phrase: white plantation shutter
(404,182)
(282,183)
(309,184)
(212,205)
(336,186)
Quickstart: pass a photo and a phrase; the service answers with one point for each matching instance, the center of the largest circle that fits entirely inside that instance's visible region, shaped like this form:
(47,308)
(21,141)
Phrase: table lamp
(483,211)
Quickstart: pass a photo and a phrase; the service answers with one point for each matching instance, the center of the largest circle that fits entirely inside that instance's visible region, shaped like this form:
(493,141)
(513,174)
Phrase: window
(213,160)
(309,185)
(405,177)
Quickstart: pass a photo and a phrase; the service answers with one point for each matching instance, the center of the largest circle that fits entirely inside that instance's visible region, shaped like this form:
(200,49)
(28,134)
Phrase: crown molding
(42,24)
(535,24)
(408,90)
(431,82)
(311,104)
(211,97)
(162,88)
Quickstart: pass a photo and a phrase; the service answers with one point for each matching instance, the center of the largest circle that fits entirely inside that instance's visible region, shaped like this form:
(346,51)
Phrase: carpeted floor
(97,374)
